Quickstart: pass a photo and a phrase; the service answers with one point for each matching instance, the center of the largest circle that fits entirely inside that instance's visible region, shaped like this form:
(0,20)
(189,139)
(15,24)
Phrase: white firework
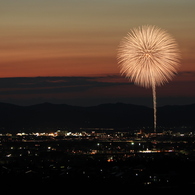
(149,57)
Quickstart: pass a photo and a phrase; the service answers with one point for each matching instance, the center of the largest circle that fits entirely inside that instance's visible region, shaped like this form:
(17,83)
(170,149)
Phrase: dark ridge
(48,117)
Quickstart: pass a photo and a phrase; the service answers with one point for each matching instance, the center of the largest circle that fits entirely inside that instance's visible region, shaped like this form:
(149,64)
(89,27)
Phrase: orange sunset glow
(80,39)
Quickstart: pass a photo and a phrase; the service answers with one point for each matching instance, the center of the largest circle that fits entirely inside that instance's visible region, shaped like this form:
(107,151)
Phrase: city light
(102,155)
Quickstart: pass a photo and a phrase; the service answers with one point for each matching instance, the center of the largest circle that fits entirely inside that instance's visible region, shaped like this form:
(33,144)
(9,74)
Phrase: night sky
(64,51)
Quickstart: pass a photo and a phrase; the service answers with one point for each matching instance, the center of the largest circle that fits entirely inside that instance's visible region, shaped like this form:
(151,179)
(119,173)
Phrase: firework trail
(149,57)
(154,104)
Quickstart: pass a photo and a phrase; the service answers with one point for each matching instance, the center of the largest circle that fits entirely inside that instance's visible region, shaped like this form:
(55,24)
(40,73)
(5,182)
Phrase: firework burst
(149,57)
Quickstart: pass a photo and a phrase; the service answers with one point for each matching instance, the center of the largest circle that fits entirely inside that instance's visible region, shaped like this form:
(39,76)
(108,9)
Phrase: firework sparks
(149,57)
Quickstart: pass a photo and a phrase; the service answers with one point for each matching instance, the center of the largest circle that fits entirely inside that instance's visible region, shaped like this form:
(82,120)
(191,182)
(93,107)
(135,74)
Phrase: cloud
(41,85)
(56,85)
(187,73)
(92,90)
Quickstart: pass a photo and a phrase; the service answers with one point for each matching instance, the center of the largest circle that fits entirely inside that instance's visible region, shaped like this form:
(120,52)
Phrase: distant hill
(47,116)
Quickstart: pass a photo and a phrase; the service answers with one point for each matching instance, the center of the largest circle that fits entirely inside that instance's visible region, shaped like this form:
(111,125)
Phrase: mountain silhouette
(49,117)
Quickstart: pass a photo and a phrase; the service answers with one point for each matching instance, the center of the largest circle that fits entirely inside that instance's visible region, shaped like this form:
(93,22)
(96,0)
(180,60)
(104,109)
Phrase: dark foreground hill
(47,117)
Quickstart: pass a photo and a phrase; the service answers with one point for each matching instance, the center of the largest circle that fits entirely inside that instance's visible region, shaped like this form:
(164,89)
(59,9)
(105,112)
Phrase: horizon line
(95,105)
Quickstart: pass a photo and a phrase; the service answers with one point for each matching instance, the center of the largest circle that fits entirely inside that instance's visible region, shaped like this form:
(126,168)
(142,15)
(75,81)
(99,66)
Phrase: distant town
(103,155)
